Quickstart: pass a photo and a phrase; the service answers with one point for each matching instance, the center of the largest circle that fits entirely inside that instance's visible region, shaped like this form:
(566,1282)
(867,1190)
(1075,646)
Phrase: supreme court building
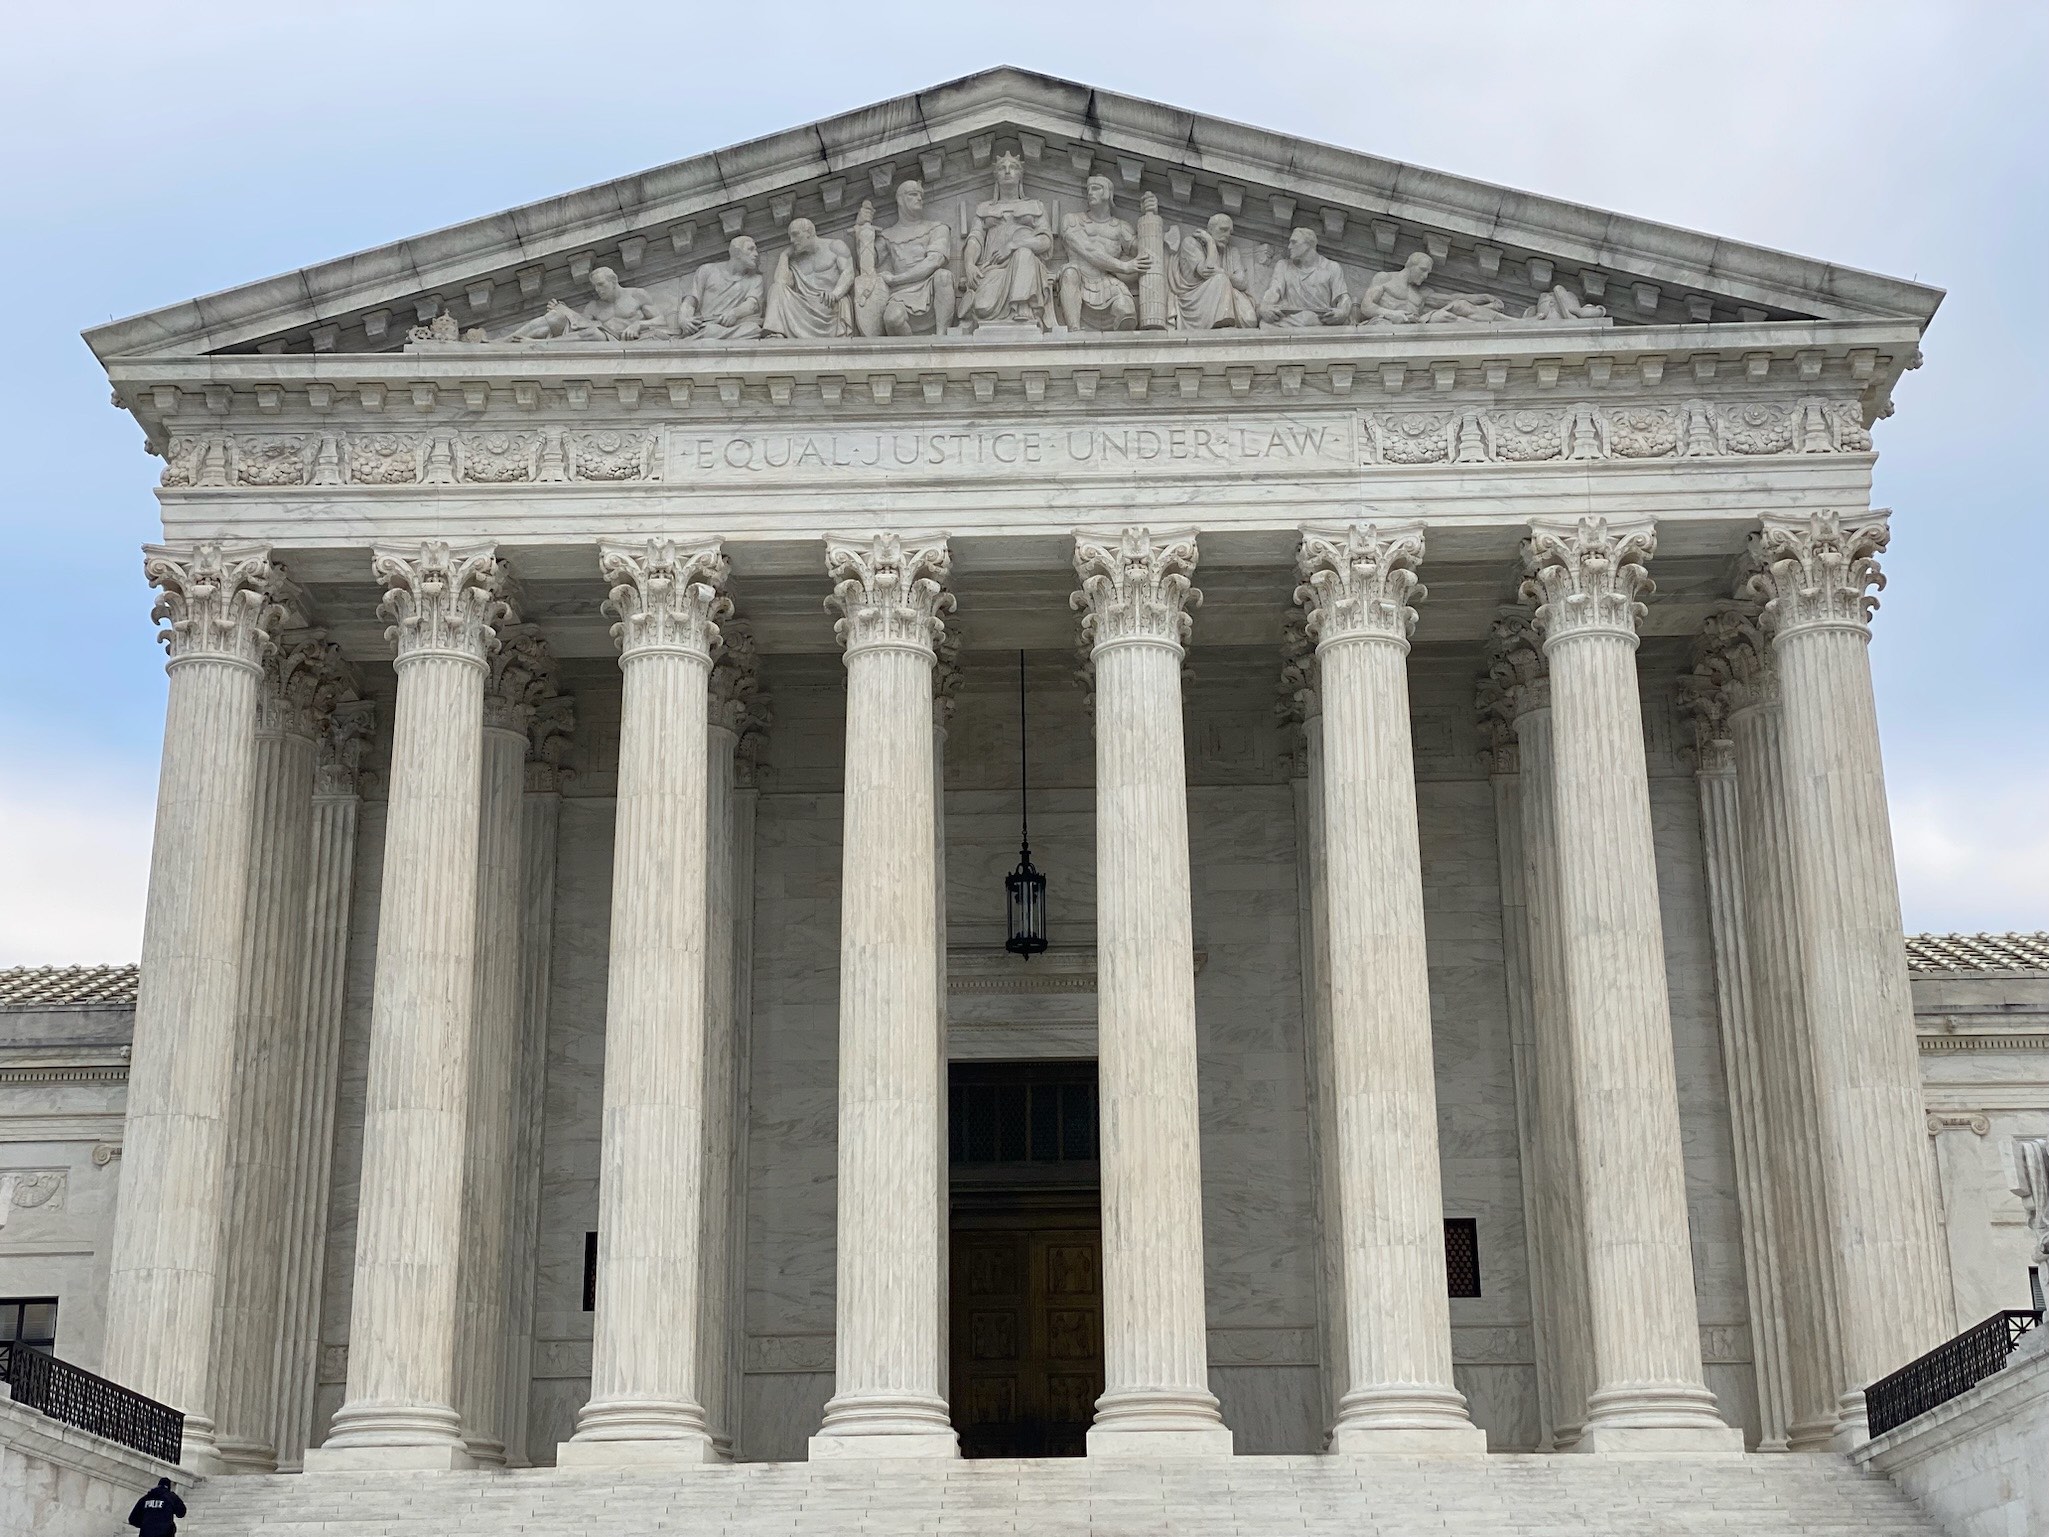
(610,645)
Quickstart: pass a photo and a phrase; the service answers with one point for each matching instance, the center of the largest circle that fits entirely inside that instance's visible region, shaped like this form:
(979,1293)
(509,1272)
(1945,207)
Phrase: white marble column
(300,676)
(1816,580)
(522,673)
(1134,597)
(889,1366)
(946,683)
(1358,583)
(1649,1393)
(734,687)
(1734,659)
(399,1409)
(1301,716)
(540,822)
(1560,1321)
(646,1372)
(330,892)
(165,1268)
(1742,1062)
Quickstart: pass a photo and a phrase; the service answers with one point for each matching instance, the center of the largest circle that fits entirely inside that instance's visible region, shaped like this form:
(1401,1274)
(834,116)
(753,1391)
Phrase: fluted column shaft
(1649,1389)
(646,1377)
(330,891)
(494,1054)
(164,1272)
(887,1398)
(718,1317)
(539,834)
(1793,1155)
(1565,1328)
(399,1410)
(1357,585)
(1890,1301)
(1156,1398)
(269,1028)
(1735,1000)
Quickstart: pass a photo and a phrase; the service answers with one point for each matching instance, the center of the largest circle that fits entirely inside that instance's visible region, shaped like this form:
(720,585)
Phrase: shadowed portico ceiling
(656,228)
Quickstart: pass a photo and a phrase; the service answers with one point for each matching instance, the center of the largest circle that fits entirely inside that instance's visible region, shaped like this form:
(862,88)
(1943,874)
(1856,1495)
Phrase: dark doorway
(1026,1242)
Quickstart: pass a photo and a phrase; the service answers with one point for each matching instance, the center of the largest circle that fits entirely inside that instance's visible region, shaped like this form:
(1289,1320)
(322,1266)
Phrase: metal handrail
(1953,1367)
(92,1403)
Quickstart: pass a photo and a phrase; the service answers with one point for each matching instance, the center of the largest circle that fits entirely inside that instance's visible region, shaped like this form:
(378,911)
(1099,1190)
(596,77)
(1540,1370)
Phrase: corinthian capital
(220,600)
(1817,573)
(735,679)
(1587,579)
(886,592)
(441,599)
(1135,587)
(665,596)
(1733,659)
(304,678)
(522,674)
(1357,582)
(344,739)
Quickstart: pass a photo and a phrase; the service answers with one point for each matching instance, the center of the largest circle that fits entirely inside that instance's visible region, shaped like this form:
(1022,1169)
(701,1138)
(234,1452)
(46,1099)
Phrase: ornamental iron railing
(1951,1368)
(65,1392)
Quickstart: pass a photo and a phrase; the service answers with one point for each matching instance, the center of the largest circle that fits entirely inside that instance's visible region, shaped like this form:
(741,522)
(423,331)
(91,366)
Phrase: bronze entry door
(1026,1325)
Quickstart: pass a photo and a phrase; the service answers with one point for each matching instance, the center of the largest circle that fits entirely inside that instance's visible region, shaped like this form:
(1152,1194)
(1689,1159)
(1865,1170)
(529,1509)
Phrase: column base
(440,1457)
(1657,1419)
(676,1452)
(1407,1441)
(1660,1441)
(940,1445)
(1159,1422)
(245,1457)
(484,1452)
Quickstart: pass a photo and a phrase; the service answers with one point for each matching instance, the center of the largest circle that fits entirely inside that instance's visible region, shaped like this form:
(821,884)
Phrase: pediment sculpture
(1013,270)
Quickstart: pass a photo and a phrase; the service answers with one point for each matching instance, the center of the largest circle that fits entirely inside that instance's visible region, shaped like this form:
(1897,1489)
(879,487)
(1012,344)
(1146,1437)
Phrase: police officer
(156,1513)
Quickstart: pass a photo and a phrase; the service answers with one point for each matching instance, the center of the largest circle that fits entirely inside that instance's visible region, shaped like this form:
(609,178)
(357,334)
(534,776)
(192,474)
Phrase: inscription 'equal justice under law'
(1078,447)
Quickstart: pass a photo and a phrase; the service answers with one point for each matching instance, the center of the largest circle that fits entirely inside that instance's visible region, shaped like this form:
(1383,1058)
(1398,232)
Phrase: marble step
(1502,1496)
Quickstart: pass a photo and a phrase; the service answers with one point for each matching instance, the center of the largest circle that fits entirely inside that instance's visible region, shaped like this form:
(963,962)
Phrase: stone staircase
(1501,1496)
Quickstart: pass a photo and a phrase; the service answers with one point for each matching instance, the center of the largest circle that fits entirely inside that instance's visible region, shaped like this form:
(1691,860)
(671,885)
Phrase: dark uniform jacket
(156,1513)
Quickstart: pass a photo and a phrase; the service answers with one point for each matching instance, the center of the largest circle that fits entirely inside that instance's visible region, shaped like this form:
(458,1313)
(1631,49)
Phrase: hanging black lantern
(1024,887)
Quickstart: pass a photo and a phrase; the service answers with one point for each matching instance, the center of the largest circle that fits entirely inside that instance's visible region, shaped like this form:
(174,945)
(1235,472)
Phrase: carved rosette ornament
(1820,573)
(220,601)
(888,594)
(1135,589)
(1358,583)
(665,596)
(441,599)
(1588,580)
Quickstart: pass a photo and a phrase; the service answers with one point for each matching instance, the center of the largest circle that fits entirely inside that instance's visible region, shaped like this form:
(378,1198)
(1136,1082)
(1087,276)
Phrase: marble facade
(641,902)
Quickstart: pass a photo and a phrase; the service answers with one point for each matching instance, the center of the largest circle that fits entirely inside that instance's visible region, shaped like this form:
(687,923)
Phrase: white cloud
(1973,851)
(75,847)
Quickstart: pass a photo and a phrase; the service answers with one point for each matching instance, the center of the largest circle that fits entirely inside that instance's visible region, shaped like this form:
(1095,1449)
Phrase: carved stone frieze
(1587,431)
(887,591)
(1135,587)
(665,595)
(1359,582)
(216,600)
(1588,578)
(1818,572)
(441,599)
(383,458)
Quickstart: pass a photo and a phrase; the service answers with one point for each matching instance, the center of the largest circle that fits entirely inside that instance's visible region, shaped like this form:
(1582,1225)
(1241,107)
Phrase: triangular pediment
(490,276)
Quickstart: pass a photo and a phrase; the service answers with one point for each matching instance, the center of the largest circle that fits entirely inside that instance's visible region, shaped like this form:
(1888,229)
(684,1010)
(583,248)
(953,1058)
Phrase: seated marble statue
(1209,279)
(808,296)
(1102,252)
(914,260)
(1306,289)
(1562,304)
(725,299)
(1396,298)
(621,314)
(1004,278)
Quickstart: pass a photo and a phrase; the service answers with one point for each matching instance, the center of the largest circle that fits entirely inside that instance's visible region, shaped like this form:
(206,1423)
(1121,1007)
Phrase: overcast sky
(151,152)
